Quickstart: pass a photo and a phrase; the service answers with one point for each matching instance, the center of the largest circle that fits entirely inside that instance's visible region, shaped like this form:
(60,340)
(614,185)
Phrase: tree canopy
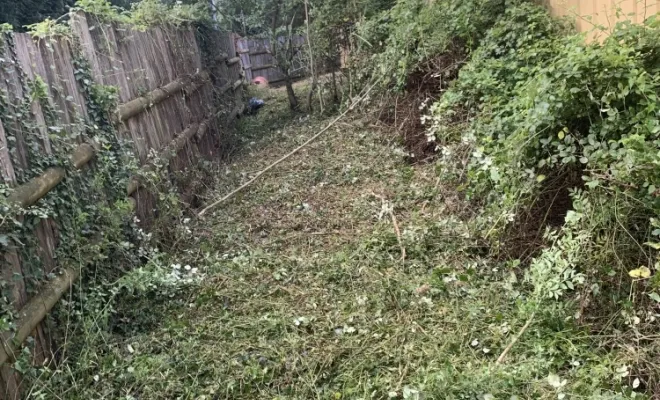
(20,13)
(25,12)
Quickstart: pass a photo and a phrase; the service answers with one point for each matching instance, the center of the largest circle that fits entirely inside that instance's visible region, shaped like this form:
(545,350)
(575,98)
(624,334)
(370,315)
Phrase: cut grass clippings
(305,293)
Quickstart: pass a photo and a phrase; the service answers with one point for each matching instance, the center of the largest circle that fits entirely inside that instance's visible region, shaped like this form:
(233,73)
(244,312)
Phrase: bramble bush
(536,107)
(552,139)
(398,41)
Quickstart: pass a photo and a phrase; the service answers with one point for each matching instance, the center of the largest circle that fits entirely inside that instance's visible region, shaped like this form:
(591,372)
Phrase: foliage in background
(24,14)
(396,42)
(146,13)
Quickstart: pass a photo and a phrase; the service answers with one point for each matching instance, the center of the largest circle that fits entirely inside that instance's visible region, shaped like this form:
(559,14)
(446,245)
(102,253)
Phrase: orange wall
(590,15)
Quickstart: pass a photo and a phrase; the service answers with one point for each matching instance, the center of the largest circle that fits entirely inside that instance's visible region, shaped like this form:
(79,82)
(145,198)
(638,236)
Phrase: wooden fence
(257,59)
(172,98)
(598,17)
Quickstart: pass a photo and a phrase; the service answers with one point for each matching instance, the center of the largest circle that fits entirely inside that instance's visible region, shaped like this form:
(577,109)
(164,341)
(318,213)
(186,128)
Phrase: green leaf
(593,184)
(654,296)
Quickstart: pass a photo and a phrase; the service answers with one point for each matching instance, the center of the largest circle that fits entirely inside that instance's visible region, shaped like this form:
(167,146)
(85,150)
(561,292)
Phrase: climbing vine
(87,214)
(88,211)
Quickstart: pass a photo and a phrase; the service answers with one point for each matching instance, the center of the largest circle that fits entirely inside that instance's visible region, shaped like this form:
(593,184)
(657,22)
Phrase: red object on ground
(260,80)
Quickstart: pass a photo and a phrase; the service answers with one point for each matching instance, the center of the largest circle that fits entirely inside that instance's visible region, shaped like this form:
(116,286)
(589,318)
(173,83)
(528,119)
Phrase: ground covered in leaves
(345,273)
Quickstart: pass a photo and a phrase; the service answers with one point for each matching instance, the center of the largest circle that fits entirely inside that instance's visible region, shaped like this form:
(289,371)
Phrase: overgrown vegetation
(141,15)
(92,213)
(21,14)
(87,216)
(553,142)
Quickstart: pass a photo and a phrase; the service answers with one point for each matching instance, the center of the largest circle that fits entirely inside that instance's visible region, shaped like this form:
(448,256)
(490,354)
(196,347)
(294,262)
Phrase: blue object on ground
(254,104)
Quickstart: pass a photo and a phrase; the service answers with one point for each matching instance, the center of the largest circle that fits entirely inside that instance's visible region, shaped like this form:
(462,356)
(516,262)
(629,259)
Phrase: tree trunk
(335,97)
(311,63)
(310,95)
(293,101)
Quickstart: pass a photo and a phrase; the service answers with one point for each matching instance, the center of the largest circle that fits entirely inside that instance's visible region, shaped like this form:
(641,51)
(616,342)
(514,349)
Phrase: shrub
(536,107)
(398,41)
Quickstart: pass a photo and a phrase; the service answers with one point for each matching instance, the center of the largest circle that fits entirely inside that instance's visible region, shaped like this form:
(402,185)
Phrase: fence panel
(257,59)
(167,88)
(598,17)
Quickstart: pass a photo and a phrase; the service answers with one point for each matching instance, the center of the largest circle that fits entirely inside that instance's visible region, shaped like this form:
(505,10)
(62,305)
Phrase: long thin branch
(311,63)
(294,151)
(500,359)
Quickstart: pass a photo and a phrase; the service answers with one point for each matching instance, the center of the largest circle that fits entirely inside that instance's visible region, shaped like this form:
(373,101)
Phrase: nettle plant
(535,106)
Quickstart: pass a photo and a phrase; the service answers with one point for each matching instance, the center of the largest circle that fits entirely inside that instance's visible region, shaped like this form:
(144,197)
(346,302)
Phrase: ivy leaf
(540,178)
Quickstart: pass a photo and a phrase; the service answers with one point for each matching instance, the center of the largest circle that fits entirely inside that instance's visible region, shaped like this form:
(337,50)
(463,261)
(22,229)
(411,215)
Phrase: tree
(285,16)
(25,12)
(20,13)
(332,31)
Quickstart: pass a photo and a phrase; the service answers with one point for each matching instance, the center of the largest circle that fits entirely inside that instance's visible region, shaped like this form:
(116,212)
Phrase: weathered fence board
(598,17)
(257,60)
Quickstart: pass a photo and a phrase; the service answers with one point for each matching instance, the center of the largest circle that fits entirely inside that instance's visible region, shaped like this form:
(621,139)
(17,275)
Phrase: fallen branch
(500,359)
(143,103)
(294,151)
(172,149)
(30,192)
(169,152)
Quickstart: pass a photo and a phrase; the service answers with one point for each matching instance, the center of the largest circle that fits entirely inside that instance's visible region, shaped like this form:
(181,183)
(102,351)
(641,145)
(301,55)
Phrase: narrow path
(309,298)
(304,293)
